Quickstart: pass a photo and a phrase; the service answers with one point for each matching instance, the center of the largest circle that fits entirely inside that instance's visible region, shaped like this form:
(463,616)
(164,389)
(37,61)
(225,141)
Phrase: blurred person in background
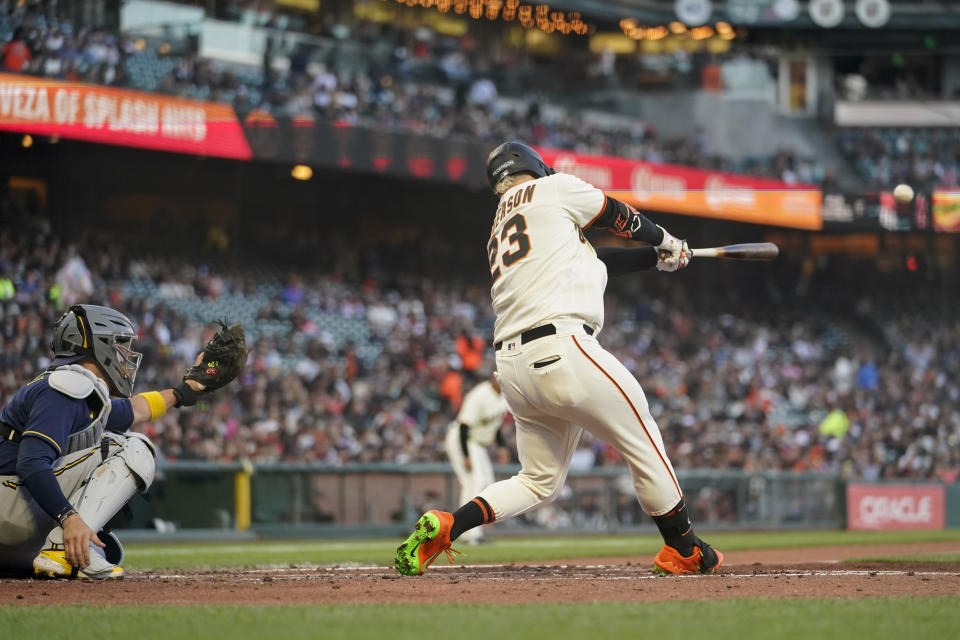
(477,426)
(74,280)
(16,54)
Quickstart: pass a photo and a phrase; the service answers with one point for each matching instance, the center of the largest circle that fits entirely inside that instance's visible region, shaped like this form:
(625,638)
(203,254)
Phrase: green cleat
(429,539)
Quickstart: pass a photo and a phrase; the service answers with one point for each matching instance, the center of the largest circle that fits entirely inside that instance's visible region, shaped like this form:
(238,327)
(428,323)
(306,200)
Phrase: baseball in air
(903,193)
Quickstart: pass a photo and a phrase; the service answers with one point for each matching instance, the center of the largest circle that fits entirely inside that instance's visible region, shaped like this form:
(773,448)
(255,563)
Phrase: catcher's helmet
(89,331)
(513,157)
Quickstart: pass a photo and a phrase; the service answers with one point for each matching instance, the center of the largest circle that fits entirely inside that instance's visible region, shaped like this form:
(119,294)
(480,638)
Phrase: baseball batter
(468,439)
(68,463)
(548,284)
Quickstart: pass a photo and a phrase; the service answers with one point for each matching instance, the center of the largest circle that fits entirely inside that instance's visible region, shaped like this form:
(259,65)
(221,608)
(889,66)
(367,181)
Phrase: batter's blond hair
(505,183)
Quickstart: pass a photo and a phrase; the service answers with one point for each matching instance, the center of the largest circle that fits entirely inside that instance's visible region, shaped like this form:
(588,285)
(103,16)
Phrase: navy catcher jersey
(39,411)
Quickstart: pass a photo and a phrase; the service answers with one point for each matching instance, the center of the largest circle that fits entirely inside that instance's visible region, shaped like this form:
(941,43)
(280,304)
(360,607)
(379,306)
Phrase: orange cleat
(429,539)
(704,559)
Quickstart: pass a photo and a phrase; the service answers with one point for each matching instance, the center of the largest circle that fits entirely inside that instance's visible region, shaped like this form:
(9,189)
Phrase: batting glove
(672,253)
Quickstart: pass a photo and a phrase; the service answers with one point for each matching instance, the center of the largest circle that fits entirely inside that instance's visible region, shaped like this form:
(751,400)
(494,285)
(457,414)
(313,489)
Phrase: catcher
(68,463)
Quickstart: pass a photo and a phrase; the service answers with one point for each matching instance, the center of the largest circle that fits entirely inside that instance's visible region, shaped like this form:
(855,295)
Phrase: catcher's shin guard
(129,469)
(112,550)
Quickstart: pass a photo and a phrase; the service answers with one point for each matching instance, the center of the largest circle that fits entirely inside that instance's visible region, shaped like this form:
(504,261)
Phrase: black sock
(676,529)
(473,514)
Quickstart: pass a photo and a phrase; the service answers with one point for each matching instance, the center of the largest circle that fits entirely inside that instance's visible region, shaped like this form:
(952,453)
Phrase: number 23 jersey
(542,266)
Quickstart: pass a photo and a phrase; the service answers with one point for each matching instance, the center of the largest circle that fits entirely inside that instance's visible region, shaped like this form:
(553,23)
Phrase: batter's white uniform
(483,410)
(546,273)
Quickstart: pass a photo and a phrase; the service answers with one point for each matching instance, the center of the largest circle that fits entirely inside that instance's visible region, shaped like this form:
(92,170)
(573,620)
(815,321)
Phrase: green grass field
(769,619)
(841,619)
(506,549)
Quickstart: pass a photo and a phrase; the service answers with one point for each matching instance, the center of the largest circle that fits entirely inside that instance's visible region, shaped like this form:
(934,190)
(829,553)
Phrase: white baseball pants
(558,385)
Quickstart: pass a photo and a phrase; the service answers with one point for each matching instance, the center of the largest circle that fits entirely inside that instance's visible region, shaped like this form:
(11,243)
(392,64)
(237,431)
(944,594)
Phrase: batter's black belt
(536,333)
(8,433)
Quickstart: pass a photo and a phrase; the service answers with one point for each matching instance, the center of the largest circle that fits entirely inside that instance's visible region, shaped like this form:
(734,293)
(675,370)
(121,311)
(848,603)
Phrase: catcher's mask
(513,157)
(89,331)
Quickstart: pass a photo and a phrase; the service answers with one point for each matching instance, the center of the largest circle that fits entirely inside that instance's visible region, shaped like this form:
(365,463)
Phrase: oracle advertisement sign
(677,189)
(120,116)
(878,506)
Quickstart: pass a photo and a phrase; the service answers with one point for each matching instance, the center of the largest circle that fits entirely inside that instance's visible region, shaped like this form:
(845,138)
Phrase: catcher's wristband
(185,395)
(158,407)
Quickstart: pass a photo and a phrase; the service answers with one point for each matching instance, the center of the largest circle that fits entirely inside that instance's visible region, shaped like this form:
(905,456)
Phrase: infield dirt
(811,572)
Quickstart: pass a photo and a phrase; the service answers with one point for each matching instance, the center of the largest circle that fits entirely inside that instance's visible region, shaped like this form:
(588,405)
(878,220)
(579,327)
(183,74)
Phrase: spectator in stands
(482,93)
(464,100)
(921,157)
(16,54)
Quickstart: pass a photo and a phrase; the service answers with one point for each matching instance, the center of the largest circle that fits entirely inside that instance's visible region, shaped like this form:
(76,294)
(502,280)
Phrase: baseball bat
(747,251)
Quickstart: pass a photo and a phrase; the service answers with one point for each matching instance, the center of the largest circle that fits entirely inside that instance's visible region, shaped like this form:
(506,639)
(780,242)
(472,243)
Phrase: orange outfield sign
(711,194)
(781,207)
(120,116)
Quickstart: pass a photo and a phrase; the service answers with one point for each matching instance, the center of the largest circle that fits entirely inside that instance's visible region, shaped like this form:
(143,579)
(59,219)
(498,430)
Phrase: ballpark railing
(307,500)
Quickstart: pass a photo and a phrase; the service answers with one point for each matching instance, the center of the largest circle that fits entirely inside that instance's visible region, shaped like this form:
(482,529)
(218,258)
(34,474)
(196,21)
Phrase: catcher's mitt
(222,358)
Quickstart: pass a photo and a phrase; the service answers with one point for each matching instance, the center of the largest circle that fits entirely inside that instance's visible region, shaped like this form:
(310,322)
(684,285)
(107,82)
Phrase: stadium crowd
(922,157)
(799,389)
(422,82)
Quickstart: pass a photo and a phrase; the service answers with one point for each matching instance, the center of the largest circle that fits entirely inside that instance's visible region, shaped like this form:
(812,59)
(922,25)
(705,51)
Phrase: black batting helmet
(513,157)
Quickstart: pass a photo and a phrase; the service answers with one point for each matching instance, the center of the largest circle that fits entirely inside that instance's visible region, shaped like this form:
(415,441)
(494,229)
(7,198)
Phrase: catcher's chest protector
(76,382)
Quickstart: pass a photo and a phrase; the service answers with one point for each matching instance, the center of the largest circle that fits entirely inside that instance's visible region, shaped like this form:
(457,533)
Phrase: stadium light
(27,141)
(301,172)
(529,16)
(701,33)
